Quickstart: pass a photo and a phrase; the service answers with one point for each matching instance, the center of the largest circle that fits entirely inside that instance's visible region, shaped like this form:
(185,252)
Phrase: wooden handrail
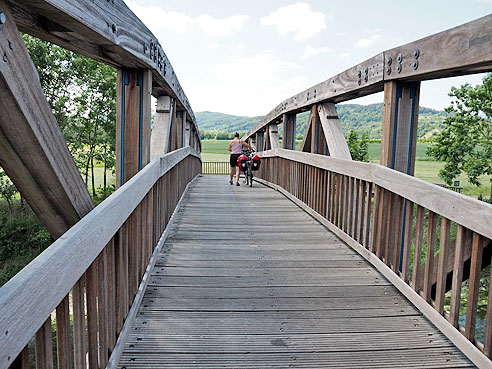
(392,218)
(473,214)
(461,50)
(29,298)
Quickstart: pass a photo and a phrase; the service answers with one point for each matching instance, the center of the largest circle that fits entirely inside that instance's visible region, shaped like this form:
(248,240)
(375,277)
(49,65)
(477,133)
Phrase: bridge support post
(289,134)
(336,144)
(187,133)
(134,88)
(318,141)
(400,120)
(272,141)
(252,142)
(160,140)
(260,138)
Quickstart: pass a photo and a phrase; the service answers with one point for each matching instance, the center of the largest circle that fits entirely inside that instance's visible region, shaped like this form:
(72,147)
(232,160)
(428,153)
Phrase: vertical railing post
(289,133)
(160,140)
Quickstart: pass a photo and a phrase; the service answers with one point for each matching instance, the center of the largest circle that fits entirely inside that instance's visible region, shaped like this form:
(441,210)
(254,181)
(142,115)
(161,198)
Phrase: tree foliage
(465,143)
(7,189)
(82,95)
(358,146)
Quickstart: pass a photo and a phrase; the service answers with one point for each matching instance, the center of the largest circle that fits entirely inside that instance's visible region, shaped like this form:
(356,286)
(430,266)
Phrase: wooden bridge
(325,262)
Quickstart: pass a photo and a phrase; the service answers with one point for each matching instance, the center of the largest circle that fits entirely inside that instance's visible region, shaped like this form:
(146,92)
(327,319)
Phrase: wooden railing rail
(92,271)
(216,167)
(398,222)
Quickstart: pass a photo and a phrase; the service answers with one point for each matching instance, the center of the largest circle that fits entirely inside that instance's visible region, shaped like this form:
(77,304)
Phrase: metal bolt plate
(398,68)
(2,18)
(399,58)
(388,70)
(415,64)
(389,61)
(416,53)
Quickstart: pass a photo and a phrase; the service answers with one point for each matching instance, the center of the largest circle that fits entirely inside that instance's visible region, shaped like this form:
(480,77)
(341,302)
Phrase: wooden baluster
(348,217)
(375,219)
(360,215)
(91,293)
(417,254)
(389,232)
(329,196)
(407,243)
(78,303)
(457,276)
(398,232)
(441,268)
(22,360)
(367,211)
(473,286)
(44,346)
(380,223)
(102,319)
(429,257)
(64,350)
(487,343)
(345,203)
(111,297)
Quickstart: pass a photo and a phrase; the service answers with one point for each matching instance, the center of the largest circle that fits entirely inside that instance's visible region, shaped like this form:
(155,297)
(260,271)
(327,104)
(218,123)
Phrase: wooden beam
(306,139)
(260,140)
(33,151)
(289,134)
(132,122)
(317,137)
(161,130)
(187,133)
(107,31)
(273,140)
(400,120)
(335,139)
(461,50)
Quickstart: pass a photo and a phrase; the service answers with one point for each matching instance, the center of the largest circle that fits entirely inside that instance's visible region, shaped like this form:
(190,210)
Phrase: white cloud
(220,26)
(297,18)
(368,41)
(312,51)
(485,1)
(344,55)
(213,45)
(158,19)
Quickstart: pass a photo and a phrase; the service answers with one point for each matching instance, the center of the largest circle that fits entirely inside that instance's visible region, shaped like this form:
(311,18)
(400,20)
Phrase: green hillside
(362,118)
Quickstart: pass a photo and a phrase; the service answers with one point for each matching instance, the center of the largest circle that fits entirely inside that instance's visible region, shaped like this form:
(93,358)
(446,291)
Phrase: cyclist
(235,147)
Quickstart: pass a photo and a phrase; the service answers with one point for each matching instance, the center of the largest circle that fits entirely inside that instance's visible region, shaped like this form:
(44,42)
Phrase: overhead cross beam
(33,151)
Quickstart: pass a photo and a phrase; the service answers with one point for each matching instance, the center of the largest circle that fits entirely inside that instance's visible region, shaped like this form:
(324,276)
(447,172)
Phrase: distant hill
(362,118)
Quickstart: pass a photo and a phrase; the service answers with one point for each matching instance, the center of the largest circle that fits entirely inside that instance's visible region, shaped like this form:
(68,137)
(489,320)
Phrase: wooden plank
(289,131)
(64,351)
(332,128)
(417,254)
(78,303)
(443,258)
(473,287)
(33,152)
(161,129)
(487,343)
(407,243)
(44,346)
(273,139)
(457,277)
(429,255)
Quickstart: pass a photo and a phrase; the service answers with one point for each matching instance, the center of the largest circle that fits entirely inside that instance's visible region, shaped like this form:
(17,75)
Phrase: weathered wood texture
(271,291)
(97,259)
(132,122)
(457,51)
(333,133)
(107,31)
(393,225)
(289,132)
(33,151)
(400,120)
(161,129)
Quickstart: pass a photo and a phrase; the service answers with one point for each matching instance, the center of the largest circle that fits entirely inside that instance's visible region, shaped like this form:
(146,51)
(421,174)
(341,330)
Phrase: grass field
(426,168)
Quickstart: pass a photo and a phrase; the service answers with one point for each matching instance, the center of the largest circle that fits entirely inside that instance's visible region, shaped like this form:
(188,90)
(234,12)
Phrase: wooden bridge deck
(247,279)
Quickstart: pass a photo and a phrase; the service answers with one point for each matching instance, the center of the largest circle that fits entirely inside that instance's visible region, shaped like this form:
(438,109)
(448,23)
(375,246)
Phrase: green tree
(7,190)
(358,146)
(465,143)
(82,95)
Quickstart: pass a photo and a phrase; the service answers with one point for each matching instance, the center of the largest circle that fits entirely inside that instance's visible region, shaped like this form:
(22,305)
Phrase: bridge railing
(88,278)
(398,223)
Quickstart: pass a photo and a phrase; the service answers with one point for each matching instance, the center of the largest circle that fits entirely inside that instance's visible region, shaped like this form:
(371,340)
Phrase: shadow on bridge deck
(247,279)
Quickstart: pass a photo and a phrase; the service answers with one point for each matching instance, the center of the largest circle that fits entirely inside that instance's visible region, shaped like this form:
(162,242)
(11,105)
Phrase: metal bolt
(359,81)
(2,18)
(145,47)
(113,28)
(5,57)
(416,53)
(359,74)
(367,71)
(398,68)
(399,58)
(11,45)
(388,71)
(415,64)
(389,61)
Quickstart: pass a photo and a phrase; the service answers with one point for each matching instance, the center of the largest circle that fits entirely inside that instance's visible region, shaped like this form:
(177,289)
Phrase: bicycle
(247,167)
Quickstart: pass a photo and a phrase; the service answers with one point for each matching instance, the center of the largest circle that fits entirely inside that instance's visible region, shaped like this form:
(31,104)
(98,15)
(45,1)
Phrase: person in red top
(235,147)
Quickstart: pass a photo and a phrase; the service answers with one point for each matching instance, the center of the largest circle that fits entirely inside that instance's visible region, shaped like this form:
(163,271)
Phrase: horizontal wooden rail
(216,167)
(96,268)
(461,50)
(398,222)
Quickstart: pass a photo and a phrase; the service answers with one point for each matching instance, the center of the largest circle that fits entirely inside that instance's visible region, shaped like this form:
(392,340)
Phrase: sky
(245,57)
